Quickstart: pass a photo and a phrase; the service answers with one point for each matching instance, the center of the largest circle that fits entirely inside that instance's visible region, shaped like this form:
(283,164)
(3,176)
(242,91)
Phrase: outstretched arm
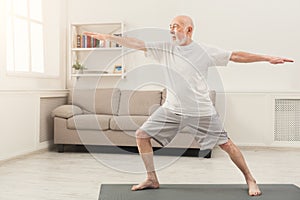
(244,57)
(132,43)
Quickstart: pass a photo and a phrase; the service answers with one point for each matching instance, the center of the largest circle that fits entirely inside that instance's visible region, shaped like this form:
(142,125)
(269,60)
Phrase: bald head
(184,20)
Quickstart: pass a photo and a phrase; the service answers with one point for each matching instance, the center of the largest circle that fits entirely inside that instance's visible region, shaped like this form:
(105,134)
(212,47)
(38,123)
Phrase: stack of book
(84,41)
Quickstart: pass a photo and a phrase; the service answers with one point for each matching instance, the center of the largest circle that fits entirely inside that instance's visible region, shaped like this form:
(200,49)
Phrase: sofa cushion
(66,111)
(100,101)
(89,122)
(84,98)
(127,123)
(107,101)
(139,102)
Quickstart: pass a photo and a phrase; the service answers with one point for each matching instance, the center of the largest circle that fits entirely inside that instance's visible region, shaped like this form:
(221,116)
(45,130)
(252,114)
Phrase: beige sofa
(110,117)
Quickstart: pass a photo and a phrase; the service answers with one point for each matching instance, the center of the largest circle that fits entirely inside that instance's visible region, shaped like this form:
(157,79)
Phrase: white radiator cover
(287,120)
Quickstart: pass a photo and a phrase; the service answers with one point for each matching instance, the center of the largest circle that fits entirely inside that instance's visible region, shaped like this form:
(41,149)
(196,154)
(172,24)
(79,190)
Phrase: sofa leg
(60,148)
(208,155)
(205,153)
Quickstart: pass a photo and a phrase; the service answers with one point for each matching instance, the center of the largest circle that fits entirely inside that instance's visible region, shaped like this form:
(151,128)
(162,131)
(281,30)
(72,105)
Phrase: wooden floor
(78,175)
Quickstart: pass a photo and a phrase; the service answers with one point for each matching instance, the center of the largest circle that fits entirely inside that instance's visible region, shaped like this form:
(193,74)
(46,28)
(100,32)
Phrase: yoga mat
(199,192)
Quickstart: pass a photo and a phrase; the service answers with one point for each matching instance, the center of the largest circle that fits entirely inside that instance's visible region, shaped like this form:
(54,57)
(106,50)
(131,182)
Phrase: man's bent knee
(226,146)
(140,134)
(229,147)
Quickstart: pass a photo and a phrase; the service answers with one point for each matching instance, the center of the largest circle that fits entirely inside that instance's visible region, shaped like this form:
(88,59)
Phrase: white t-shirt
(185,71)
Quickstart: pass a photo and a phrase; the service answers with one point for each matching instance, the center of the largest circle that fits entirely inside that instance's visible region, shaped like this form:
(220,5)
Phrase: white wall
(251,120)
(18,124)
(20,121)
(267,27)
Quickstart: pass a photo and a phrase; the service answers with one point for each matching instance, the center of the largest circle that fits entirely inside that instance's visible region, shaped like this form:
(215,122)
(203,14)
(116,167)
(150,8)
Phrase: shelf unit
(95,55)
(96,75)
(98,49)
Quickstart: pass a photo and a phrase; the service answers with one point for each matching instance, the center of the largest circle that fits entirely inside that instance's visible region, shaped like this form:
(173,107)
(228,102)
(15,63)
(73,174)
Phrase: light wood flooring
(49,175)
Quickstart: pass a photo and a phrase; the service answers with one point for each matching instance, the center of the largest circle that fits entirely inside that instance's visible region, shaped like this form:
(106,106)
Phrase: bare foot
(147,184)
(253,188)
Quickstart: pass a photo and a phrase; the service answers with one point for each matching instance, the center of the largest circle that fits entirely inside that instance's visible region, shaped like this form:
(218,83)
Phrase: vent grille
(287,120)
(47,105)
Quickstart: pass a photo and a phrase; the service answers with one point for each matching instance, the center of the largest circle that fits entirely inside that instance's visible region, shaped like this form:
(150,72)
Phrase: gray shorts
(163,125)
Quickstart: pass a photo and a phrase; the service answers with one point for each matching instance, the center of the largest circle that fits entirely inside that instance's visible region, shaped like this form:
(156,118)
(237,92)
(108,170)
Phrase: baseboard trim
(41,147)
(45,145)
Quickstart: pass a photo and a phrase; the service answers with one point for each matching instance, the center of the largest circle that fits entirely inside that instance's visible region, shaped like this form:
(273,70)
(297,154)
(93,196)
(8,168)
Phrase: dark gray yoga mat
(199,192)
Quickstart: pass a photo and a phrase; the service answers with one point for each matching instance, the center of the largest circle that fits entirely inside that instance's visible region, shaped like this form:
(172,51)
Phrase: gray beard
(180,42)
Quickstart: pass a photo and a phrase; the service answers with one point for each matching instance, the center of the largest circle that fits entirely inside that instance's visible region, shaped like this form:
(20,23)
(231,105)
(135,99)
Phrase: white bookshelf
(98,49)
(96,75)
(95,55)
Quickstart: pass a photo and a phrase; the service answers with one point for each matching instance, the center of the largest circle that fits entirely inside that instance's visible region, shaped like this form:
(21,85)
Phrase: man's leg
(238,159)
(146,152)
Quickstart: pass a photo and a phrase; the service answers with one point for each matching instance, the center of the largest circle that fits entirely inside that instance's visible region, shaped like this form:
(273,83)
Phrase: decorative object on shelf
(78,67)
(118,69)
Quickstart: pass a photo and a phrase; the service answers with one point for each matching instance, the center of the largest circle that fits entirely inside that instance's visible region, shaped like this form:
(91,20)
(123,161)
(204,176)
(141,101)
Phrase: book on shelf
(84,41)
(78,41)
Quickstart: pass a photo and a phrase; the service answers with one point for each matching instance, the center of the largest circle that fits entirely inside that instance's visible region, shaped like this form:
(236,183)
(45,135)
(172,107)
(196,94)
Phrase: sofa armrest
(66,111)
